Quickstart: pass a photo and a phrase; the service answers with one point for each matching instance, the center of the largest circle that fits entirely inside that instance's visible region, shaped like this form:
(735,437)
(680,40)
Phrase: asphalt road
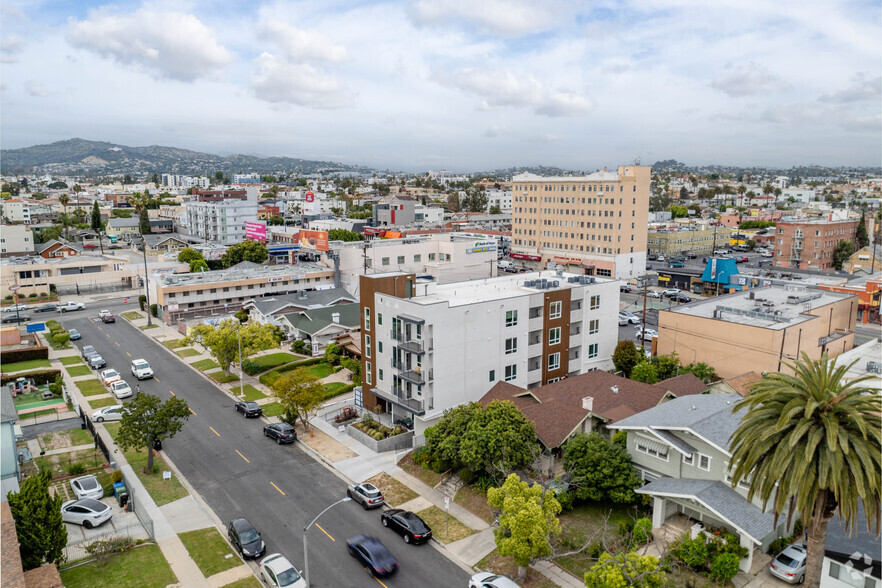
(238,472)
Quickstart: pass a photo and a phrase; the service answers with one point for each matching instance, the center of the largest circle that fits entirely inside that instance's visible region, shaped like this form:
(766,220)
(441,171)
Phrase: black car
(249,409)
(96,362)
(411,527)
(372,554)
(690,255)
(15,317)
(245,538)
(281,432)
(681,298)
(108,318)
(46,308)
(624,287)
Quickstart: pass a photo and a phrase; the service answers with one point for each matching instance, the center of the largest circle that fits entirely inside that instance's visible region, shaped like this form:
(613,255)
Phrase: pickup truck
(71,306)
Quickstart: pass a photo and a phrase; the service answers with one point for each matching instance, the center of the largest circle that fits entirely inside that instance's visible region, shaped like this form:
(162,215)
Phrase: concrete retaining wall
(395,443)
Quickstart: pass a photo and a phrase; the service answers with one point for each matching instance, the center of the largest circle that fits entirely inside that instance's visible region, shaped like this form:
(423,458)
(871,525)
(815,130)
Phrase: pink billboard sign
(256,231)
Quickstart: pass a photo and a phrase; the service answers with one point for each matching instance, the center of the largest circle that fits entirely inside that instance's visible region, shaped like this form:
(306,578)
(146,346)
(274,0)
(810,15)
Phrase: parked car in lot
(96,362)
(367,494)
(629,317)
(789,565)
(108,413)
(281,432)
(87,487)
(671,292)
(87,512)
(121,389)
(69,306)
(372,554)
(682,298)
(46,308)
(74,334)
(653,294)
(276,571)
(249,409)
(721,252)
(624,287)
(649,334)
(490,580)
(110,376)
(741,259)
(15,307)
(245,538)
(108,318)
(141,369)
(16,318)
(412,528)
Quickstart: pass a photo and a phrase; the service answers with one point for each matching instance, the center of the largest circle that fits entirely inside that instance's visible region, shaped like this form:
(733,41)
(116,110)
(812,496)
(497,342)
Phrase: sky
(462,85)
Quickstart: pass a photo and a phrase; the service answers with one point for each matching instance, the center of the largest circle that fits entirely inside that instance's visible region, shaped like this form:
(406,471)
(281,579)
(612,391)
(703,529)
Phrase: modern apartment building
(810,244)
(16,211)
(222,222)
(428,347)
(67,275)
(501,198)
(16,239)
(594,224)
(698,239)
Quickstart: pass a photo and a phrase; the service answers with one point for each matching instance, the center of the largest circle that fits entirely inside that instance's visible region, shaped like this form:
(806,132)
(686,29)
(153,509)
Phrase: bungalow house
(851,558)
(865,261)
(54,248)
(681,449)
(320,326)
(159,244)
(271,309)
(124,229)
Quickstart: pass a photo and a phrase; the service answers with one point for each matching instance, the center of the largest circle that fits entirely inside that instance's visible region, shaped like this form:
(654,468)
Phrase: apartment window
(367,345)
(400,259)
(511,345)
(492,375)
(367,319)
(594,327)
(379,319)
(379,347)
(592,350)
(511,318)
(689,459)
(385,261)
(595,302)
(554,309)
(431,257)
(511,373)
(367,372)
(417,258)
(380,374)
(652,448)
(554,336)
(554,361)
(704,462)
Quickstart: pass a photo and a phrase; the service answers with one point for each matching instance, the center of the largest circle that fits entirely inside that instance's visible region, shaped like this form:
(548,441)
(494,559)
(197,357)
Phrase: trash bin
(123,499)
(118,488)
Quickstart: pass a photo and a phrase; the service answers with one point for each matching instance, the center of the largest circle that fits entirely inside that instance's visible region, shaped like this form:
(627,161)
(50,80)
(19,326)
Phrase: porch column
(659,507)
(747,562)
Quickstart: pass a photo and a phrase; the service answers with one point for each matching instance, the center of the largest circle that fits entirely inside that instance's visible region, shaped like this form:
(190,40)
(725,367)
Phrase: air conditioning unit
(874,366)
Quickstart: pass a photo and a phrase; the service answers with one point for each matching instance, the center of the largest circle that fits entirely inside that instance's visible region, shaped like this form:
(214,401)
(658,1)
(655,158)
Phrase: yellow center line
(279,489)
(117,344)
(172,393)
(99,328)
(194,414)
(212,428)
(157,379)
(325,532)
(129,354)
(107,335)
(379,580)
(243,457)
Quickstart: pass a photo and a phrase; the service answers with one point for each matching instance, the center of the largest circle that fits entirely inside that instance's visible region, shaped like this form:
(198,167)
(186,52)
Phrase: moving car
(622,320)
(681,298)
(625,287)
(676,264)
(245,538)
(741,259)
(108,413)
(15,307)
(653,294)
(766,254)
(87,487)
(74,335)
(46,308)
(490,580)
(367,494)
(16,318)
(68,306)
(141,369)
(411,527)
(121,389)
(372,554)
(108,318)
(650,334)
(110,376)
(87,512)
(721,252)
(281,432)
(96,362)
(277,571)
(103,313)
(789,565)
(629,317)
(249,409)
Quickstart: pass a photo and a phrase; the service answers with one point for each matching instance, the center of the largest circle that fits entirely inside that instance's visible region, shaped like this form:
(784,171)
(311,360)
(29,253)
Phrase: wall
(395,443)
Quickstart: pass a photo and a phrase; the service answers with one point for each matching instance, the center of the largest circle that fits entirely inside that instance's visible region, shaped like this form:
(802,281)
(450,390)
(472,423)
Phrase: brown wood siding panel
(562,296)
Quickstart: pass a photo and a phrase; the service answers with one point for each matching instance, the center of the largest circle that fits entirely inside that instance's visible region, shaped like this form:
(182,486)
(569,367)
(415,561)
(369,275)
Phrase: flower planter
(393,443)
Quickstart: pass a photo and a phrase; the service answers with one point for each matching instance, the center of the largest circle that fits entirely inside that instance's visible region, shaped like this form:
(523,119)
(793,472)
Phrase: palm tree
(63,200)
(811,444)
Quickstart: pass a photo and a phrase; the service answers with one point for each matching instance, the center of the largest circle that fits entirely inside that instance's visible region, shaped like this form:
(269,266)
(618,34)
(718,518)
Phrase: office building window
(511,373)
(367,345)
(379,347)
(554,336)
(594,327)
(511,318)
(595,302)
(511,345)
(554,309)
(592,350)
(554,361)
(379,319)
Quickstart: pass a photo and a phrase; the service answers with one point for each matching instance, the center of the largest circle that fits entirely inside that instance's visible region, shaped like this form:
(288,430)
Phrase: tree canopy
(344,235)
(148,419)
(626,356)
(300,394)
(188,255)
(144,222)
(42,535)
(222,340)
(625,569)
(600,470)
(95,219)
(252,251)
(843,251)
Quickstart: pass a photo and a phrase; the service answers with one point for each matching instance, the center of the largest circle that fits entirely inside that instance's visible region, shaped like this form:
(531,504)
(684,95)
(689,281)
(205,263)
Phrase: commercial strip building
(810,244)
(427,347)
(760,329)
(594,224)
(67,275)
(868,289)
(697,239)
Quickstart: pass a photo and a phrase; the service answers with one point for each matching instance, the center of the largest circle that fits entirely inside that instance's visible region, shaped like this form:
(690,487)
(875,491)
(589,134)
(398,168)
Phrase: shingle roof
(306,299)
(41,247)
(315,320)
(118,223)
(840,545)
(7,406)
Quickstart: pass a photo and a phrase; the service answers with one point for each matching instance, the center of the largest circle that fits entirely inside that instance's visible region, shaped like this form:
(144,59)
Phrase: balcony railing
(399,398)
(418,346)
(838,334)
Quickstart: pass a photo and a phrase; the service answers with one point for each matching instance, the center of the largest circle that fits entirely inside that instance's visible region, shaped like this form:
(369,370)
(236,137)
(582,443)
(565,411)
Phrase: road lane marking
(173,394)
(242,456)
(107,335)
(378,580)
(279,489)
(117,344)
(157,379)
(129,354)
(194,414)
(99,328)
(212,428)
(326,533)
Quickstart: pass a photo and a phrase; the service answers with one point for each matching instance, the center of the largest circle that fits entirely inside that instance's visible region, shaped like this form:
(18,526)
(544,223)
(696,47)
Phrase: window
(594,327)
(511,345)
(385,261)
(554,336)
(511,318)
(431,257)
(367,319)
(380,374)
(592,350)
(367,346)
(367,372)
(704,462)
(400,259)
(595,302)
(688,459)
(652,448)
(379,319)
(511,373)
(379,347)
(417,258)
(554,309)
(835,570)
(554,361)
(492,375)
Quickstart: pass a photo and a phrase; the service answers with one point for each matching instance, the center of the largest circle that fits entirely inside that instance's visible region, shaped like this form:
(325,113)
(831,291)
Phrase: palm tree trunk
(817,538)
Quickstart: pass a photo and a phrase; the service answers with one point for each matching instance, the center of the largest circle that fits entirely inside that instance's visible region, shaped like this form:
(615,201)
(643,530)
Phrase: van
(504,264)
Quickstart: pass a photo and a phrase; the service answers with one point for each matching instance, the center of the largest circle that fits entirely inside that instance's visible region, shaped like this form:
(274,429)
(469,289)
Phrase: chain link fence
(76,550)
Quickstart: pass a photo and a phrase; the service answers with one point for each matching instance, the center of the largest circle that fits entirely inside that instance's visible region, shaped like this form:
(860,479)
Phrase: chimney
(335,318)
(588,403)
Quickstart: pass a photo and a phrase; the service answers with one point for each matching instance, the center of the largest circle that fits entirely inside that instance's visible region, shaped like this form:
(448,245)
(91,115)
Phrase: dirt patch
(331,449)
(394,492)
(506,566)
(428,477)
(475,502)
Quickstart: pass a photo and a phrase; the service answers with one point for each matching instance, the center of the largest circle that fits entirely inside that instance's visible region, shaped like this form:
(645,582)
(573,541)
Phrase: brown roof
(684,385)
(10,559)
(46,576)
(741,384)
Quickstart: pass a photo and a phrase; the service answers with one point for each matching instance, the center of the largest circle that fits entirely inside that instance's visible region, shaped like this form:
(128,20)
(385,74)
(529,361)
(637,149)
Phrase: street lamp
(305,529)
(146,289)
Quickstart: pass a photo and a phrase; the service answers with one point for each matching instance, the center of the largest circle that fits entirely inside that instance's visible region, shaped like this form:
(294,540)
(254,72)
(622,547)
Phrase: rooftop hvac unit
(874,366)
(555,284)
(751,295)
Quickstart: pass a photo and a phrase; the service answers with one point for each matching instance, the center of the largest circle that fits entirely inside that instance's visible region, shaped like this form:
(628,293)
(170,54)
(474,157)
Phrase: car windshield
(248,536)
(119,385)
(140,365)
(288,577)
(74,332)
(110,373)
(93,505)
(786,560)
(251,405)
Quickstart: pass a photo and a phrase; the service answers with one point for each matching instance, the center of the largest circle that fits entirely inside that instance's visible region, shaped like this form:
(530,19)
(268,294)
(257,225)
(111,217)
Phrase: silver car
(87,487)
(790,564)
(121,389)
(108,413)
(87,512)
(490,580)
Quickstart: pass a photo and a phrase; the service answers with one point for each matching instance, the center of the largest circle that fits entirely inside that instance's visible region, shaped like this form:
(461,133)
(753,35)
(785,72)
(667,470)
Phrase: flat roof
(236,273)
(863,354)
(599,176)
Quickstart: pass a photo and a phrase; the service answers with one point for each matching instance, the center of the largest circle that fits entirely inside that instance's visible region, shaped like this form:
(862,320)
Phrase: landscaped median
(247,392)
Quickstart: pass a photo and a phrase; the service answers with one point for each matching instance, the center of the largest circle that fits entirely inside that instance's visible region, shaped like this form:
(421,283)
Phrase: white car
(277,571)
(629,317)
(671,292)
(15,307)
(87,487)
(766,254)
(108,413)
(721,252)
(103,313)
(87,512)
(649,334)
(653,294)
(622,320)
(490,580)
(141,369)
(68,306)
(110,376)
(121,389)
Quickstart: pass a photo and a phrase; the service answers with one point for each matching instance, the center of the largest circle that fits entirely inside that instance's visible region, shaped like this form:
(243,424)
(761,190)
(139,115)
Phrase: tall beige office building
(594,224)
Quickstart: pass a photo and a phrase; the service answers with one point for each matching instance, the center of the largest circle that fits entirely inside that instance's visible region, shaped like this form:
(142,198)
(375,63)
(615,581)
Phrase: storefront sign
(525,257)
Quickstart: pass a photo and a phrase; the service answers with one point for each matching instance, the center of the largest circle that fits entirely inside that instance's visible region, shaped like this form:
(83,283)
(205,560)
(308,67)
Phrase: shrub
(62,338)
(108,490)
(778,545)
(241,315)
(142,301)
(693,552)
(565,499)
(798,528)
(116,476)
(626,527)
(466,475)
(7,297)
(154,310)
(32,295)
(101,550)
(642,531)
(76,469)
(55,385)
(724,567)
(594,550)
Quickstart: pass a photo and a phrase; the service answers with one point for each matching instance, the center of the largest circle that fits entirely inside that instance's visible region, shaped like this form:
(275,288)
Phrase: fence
(99,442)
(77,550)
(141,512)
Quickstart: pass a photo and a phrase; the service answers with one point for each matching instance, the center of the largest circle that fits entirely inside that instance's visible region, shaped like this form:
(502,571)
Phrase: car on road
(629,317)
(108,413)
(245,538)
(372,554)
(490,580)
(766,254)
(110,376)
(367,494)
(46,308)
(789,565)
(691,255)
(121,389)
(683,298)
(649,334)
(88,350)
(87,487)
(412,528)
(96,362)
(15,307)
(676,264)
(671,292)
(652,257)
(69,306)
(74,335)
(108,318)
(87,512)
(281,432)
(276,571)
(661,258)
(741,259)
(721,252)
(625,287)
(622,321)
(103,313)
(16,318)
(141,369)
(249,409)
(653,294)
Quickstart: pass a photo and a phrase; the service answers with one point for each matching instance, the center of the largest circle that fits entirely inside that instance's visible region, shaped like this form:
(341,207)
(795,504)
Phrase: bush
(108,490)
(76,469)
(241,315)
(299,346)
(693,552)
(466,475)
(62,338)
(101,550)
(17,355)
(55,386)
(724,567)
(116,476)
(642,531)
(626,527)
(142,301)
(798,528)
(594,550)
(32,295)
(565,499)
(154,310)
(9,297)
(779,545)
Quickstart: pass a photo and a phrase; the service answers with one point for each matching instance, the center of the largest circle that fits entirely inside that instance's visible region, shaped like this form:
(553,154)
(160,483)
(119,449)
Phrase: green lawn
(91,387)
(100,402)
(247,582)
(186,352)
(251,393)
(145,327)
(133,315)
(143,567)
(272,409)
(208,548)
(204,365)
(222,378)
(172,343)
(78,370)
(36,413)
(334,388)
(72,360)
(21,366)
(437,521)
(162,491)
(272,360)
(320,370)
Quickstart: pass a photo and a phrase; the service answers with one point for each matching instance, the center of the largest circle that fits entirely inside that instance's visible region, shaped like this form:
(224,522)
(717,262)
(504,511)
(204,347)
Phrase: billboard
(526,257)
(317,240)
(256,231)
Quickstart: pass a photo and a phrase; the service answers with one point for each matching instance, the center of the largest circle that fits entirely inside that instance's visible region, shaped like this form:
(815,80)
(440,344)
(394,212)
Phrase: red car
(741,260)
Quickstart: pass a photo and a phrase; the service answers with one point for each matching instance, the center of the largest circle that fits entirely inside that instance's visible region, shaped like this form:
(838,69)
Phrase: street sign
(447,502)
(36,327)
(14,287)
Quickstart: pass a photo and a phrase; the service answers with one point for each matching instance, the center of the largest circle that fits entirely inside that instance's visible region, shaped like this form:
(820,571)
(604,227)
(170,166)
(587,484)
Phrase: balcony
(399,398)
(416,376)
(418,346)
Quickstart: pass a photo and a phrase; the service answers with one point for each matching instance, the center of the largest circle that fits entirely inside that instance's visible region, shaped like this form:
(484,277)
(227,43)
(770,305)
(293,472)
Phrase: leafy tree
(678,211)
(646,372)
(245,251)
(189,255)
(443,439)
(95,220)
(222,340)
(666,366)
(120,213)
(13,188)
(453,203)
(475,199)
(702,371)
(344,235)
(600,470)
(527,521)
(218,176)
(498,440)
(42,535)
(808,444)
(275,220)
(625,569)
(198,265)
(495,209)
(57,185)
(144,222)
(843,251)
(38,196)
(861,237)
(155,180)
(625,357)
(148,420)
(127,179)
(684,193)
(300,394)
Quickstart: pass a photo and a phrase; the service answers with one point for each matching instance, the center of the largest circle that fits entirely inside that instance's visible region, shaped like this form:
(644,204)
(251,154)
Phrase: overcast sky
(453,84)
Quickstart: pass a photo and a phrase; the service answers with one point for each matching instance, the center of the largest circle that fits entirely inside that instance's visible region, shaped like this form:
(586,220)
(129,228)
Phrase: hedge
(17,355)
(39,378)
(271,376)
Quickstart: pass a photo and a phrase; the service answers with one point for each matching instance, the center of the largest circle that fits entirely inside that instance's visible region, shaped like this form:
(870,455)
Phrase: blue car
(74,334)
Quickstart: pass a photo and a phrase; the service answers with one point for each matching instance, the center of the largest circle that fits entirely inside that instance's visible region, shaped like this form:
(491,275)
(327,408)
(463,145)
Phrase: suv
(367,494)
(141,369)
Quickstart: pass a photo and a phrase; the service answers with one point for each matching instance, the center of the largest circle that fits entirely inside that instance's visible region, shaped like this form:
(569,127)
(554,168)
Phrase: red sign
(310,197)
(525,256)
(374,231)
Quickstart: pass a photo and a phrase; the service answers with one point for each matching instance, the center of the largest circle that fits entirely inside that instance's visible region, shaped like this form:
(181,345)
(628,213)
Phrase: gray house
(681,449)
(10,472)
(321,326)
(270,309)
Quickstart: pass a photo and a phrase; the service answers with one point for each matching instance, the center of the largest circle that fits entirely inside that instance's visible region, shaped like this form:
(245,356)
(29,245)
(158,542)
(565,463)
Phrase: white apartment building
(804,195)
(500,198)
(177,181)
(17,211)
(428,347)
(16,239)
(222,222)
(245,179)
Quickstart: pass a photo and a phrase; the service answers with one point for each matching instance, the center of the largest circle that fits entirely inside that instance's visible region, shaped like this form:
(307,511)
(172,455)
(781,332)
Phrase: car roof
(92,504)
(241,524)
(277,562)
(285,426)
(139,361)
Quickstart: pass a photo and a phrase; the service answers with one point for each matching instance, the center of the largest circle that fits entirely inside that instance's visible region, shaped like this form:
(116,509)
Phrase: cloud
(747,80)
(498,88)
(302,45)
(278,81)
(863,88)
(10,47)
(171,45)
(497,131)
(506,18)
(565,104)
(37,90)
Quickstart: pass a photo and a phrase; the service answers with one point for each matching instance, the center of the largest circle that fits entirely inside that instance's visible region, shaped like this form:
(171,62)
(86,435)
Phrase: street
(240,473)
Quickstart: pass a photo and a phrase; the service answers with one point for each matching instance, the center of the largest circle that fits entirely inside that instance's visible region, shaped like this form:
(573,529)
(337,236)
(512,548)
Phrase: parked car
(16,318)
(789,565)
(721,252)
(108,318)
(249,409)
(96,362)
(372,554)
(691,255)
(87,487)
(108,413)
(110,376)
(276,571)
(671,292)
(622,320)
(368,495)
(87,512)
(652,257)
(677,264)
(281,432)
(681,298)
(653,294)
(245,538)
(46,308)
(69,306)
(649,334)
(412,528)
(88,350)
(15,307)
(103,313)
(629,317)
(121,389)
(624,287)
(661,258)
(490,580)
(741,259)
(74,334)
(766,254)
(141,369)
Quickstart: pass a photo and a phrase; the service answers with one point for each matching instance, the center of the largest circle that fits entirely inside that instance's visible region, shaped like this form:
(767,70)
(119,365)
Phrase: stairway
(450,486)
